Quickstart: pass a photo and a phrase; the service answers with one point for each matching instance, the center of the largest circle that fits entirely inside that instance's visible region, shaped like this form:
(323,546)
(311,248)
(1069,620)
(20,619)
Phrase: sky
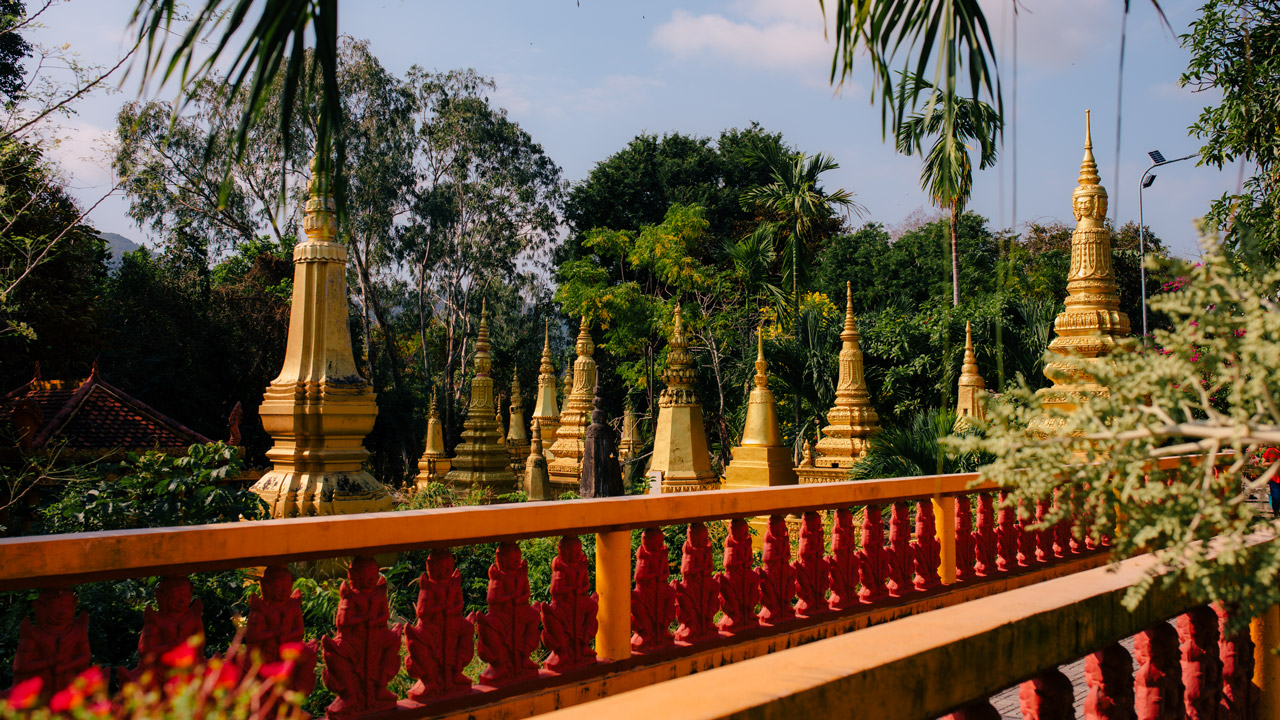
(584,77)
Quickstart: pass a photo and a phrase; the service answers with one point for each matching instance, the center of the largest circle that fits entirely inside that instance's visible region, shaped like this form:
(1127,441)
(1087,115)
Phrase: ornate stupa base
(814,475)
(432,470)
(295,494)
(759,467)
(680,451)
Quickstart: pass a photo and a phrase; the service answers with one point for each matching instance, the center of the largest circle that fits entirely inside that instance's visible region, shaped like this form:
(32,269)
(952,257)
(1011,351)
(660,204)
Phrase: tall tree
(953,122)
(13,50)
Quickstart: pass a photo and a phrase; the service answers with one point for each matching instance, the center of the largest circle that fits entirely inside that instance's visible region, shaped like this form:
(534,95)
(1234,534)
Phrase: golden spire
(516,431)
(679,374)
(481,458)
(680,439)
(584,345)
(762,377)
(760,459)
(565,466)
(760,429)
(537,485)
(545,409)
(434,463)
(969,405)
(853,420)
(1088,167)
(969,376)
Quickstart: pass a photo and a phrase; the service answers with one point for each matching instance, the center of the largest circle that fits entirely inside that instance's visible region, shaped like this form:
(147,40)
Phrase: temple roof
(92,415)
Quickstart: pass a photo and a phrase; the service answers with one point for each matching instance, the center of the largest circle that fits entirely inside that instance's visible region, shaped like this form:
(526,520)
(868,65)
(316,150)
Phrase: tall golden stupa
(481,459)
(545,410)
(852,421)
(319,408)
(761,459)
(517,435)
(969,404)
(1091,323)
(434,463)
(680,439)
(566,467)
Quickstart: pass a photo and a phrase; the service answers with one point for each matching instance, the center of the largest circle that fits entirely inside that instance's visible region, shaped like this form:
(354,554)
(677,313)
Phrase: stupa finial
(762,376)
(1088,167)
(850,323)
(547,367)
(319,221)
(584,345)
(432,413)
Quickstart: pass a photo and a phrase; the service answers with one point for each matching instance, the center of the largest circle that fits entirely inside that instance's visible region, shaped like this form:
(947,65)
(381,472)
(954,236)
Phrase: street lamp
(1157,159)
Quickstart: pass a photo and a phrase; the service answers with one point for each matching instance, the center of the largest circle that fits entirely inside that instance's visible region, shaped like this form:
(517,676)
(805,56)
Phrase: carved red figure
(1007,535)
(739,584)
(441,642)
(1158,682)
(1109,673)
(653,602)
(508,629)
(697,593)
(842,563)
(55,647)
(1236,653)
(977,710)
(175,621)
(901,556)
(1201,669)
(777,579)
(985,540)
(364,655)
(275,619)
(1047,696)
(873,559)
(926,550)
(813,575)
(966,552)
(569,620)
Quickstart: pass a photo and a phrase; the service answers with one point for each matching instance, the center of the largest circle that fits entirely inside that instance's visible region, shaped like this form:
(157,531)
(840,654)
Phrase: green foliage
(1207,386)
(917,449)
(13,50)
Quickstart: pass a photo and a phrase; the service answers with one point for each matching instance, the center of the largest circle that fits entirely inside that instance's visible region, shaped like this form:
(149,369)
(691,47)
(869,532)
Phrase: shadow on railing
(945,543)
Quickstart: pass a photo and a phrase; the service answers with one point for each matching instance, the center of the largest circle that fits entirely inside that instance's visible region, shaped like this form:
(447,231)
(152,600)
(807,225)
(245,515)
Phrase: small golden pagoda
(760,459)
(852,421)
(434,463)
(1091,323)
(517,436)
(481,460)
(497,418)
(319,408)
(680,440)
(537,484)
(545,410)
(630,437)
(969,405)
(566,467)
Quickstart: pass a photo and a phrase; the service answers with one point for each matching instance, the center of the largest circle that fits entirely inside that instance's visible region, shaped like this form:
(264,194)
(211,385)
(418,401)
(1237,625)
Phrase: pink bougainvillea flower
(26,693)
(66,700)
(225,675)
(182,656)
(291,651)
(277,670)
(91,680)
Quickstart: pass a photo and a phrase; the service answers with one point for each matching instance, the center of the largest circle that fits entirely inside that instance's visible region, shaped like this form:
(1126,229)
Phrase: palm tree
(953,122)
(797,208)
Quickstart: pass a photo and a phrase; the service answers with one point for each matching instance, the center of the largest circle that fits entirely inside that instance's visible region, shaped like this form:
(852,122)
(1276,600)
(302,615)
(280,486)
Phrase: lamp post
(1157,159)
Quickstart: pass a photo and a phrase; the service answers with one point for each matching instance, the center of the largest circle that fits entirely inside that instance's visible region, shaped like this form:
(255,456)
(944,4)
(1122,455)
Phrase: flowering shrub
(221,687)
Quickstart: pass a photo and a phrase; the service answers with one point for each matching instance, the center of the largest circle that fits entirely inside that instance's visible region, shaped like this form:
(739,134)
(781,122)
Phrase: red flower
(1270,455)
(102,708)
(225,675)
(26,693)
(181,656)
(291,651)
(67,699)
(277,670)
(91,680)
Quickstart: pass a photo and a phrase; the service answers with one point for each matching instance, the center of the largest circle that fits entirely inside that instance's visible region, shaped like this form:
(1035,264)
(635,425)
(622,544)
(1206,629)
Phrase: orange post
(613,584)
(944,513)
(1265,631)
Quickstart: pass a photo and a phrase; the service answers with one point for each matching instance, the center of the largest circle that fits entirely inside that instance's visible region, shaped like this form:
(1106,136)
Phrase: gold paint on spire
(517,436)
(760,459)
(434,463)
(566,467)
(545,410)
(319,409)
(537,484)
(969,404)
(630,437)
(680,440)
(1091,322)
(481,459)
(852,421)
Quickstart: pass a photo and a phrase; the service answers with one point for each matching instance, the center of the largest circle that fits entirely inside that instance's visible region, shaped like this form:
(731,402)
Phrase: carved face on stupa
(173,595)
(363,573)
(1089,202)
(56,608)
(277,584)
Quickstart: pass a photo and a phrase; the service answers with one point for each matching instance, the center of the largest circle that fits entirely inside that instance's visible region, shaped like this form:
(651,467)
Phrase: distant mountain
(118,245)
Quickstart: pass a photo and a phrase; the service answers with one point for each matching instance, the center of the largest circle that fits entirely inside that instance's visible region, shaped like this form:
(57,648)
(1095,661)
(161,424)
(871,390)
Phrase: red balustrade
(364,654)
(508,630)
(54,648)
(441,643)
(1236,652)
(275,628)
(1157,685)
(569,620)
(697,590)
(653,602)
(926,550)
(739,583)
(844,562)
(812,569)
(777,578)
(1201,669)
(1047,696)
(966,541)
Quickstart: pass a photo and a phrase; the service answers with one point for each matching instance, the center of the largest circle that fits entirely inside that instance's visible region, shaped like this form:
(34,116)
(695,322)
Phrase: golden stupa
(760,459)
(537,484)
(517,435)
(969,404)
(566,467)
(319,408)
(434,463)
(1091,323)
(481,459)
(630,441)
(680,440)
(852,421)
(545,410)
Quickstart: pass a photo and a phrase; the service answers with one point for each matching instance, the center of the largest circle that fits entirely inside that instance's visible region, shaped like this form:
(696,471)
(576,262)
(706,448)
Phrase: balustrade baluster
(1158,683)
(1239,699)
(812,571)
(697,592)
(1109,673)
(1027,537)
(53,647)
(873,558)
(966,545)
(1047,696)
(901,565)
(986,540)
(843,563)
(1201,669)
(653,602)
(364,655)
(1008,535)
(1061,529)
(1044,536)
(508,629)
(777,579)
(739,584)
(275,627)
(441,641)
(569,620)
(926,552)
(176,620)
